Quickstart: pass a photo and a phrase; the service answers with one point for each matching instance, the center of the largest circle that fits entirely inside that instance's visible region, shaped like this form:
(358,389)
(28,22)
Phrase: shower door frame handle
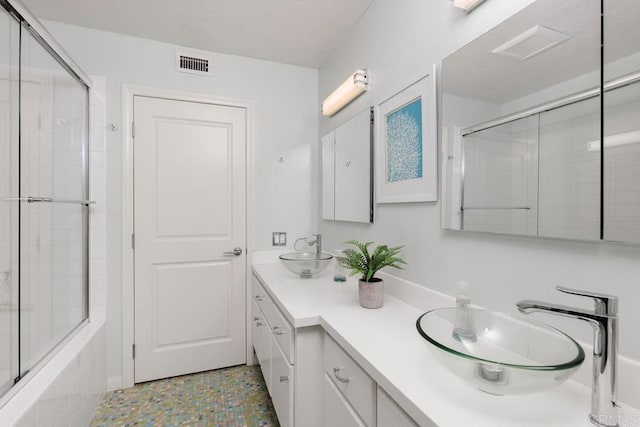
(48,200)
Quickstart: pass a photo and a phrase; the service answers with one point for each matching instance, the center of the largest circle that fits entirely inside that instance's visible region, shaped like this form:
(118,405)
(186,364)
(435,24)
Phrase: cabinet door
(261,338)
(281,385)
(390,414)
(353,179)
(328,175)
(337,411)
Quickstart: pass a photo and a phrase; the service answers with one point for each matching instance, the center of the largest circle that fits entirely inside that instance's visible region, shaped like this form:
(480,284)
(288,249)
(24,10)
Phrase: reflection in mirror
(621,123)
(500,187)
(569,181)
(519,105)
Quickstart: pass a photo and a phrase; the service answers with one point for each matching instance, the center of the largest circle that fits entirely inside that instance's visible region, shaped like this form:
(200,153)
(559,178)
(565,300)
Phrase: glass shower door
(44,191)
(9,209)
(53,232)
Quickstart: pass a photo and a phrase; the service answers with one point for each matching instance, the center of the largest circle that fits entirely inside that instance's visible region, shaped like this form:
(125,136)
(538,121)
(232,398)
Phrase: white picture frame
(407,145)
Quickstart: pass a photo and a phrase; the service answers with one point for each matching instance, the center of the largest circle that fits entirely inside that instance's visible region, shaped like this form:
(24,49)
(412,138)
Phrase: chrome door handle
(278,330)
(234,252)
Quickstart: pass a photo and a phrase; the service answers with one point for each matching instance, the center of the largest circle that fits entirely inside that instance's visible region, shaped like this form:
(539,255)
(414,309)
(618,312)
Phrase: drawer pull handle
(283,379)
(259,298)
(258,324)
(256,318)
(277,330)
(340,377)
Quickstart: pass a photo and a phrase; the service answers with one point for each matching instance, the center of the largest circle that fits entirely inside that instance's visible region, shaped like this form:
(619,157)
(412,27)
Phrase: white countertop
(386,344)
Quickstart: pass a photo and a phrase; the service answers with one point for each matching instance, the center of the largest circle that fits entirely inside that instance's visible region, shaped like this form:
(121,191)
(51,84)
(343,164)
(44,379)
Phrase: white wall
(286,105)
(398,41)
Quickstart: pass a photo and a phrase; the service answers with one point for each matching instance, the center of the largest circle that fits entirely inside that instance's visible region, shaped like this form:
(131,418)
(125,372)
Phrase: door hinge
(133,351)
(133,241)
(133,130)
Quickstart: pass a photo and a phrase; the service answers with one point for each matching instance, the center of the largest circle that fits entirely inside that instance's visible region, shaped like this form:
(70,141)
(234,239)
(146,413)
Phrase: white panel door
(189,174)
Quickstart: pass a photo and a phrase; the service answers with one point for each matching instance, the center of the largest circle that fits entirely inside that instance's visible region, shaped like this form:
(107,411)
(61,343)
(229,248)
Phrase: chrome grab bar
(32,199)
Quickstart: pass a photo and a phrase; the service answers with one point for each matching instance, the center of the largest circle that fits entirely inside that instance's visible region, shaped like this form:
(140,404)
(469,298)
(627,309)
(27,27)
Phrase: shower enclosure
(44,192)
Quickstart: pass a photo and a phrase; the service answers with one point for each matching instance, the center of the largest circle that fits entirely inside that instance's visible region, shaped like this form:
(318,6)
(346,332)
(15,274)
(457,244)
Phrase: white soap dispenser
(463,326)
(340,273)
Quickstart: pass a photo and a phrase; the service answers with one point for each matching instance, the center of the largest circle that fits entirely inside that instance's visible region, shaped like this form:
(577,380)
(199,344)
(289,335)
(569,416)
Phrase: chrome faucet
(317,242)
(604,320)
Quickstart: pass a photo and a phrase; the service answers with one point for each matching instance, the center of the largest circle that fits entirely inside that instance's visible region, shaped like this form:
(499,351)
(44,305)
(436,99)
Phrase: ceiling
(299,32)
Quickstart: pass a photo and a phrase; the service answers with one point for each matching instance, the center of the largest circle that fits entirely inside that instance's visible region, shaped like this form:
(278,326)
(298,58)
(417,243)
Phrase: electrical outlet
(279,238)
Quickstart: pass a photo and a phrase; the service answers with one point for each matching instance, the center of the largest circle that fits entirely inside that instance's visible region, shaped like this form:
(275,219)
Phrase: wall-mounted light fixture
(467,5)
(349,90)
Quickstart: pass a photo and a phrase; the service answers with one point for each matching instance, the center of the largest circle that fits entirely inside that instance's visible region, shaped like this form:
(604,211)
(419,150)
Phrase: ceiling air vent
(531,43)
(193,64)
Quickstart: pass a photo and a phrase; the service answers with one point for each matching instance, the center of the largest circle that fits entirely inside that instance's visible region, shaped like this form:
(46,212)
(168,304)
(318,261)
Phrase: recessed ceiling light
(531,43)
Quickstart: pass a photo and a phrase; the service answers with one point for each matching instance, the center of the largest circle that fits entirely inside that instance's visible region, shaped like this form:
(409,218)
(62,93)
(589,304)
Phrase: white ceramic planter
(371,294)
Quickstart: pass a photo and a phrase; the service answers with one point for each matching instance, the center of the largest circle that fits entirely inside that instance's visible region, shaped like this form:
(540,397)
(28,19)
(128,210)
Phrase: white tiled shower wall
(501,171)
(68,389)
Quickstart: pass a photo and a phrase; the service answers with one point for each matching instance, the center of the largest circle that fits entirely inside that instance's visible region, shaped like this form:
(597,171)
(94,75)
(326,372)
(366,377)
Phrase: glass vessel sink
(305,264)
(499,353)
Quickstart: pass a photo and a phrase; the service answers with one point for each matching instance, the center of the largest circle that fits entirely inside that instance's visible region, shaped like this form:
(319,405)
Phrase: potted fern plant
(360,260)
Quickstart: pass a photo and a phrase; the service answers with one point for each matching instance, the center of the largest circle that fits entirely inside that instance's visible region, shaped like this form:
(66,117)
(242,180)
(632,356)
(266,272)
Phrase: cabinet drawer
(358,388)
(262,298)
(281,385)
(336,410)
(283,331)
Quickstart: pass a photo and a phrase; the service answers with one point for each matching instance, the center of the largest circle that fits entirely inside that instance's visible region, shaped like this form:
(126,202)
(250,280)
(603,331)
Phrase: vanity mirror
(521,123)
(347,189)
(621,121)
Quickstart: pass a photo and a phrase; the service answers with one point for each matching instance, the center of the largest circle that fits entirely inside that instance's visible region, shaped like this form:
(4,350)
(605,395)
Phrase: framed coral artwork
(407,164)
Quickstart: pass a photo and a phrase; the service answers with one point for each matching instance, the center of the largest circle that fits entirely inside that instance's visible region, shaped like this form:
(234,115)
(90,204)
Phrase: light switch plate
(279,238)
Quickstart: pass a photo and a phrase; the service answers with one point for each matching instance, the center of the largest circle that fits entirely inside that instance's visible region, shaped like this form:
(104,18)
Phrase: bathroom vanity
(312,380)
(329,362)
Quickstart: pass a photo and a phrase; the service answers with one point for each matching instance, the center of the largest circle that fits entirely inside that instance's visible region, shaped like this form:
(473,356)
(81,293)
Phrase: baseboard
(114,383)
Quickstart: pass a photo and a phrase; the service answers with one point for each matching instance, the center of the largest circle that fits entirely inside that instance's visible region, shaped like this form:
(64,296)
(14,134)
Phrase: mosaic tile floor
(230,397)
